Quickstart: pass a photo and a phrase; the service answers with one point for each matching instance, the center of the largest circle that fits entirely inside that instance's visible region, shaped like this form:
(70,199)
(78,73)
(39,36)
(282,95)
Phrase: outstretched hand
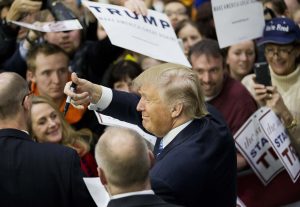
(86,92)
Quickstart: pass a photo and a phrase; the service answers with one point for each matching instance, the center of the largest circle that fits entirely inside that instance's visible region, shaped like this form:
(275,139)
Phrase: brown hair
(43,48)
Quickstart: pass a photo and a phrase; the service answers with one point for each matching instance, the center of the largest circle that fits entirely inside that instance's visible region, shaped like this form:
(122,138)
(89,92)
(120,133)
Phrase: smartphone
(262,73)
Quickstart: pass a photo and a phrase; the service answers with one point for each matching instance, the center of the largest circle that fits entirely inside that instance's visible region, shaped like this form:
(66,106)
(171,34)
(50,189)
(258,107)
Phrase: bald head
(123,156)
(13,88)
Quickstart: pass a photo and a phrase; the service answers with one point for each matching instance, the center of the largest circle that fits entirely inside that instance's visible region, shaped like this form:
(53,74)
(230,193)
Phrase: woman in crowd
(240,59)
(120,75)
(279,7)
(189,33)
(282,51)
(48,125)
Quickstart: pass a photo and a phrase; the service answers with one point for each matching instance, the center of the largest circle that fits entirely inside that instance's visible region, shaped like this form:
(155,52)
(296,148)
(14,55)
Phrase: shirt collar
(173,133)
(122,195)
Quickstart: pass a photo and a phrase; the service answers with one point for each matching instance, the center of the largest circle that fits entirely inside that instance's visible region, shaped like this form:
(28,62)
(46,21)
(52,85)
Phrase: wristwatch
(292,124)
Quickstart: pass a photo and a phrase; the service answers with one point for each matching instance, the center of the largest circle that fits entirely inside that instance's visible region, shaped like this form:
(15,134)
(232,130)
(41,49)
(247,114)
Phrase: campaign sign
(150,35)
(58,26)
(237,20)
(110,121)
(255,147)
(279,139)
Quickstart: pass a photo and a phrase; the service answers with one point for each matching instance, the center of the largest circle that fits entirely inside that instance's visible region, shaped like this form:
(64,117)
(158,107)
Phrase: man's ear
(30,76)
(176,110)
(102,176)
(27,103)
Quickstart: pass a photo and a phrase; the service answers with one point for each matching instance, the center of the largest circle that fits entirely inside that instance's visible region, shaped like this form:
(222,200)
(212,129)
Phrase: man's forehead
(57,59)
(174,6)
(207,58)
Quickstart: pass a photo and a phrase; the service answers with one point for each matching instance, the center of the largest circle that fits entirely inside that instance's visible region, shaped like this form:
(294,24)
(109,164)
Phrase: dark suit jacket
(198,168)
(35,175)
(139,201)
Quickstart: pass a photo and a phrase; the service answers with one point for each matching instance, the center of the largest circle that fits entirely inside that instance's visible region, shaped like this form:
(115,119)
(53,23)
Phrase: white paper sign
(281,143)
(237,20)
(150,35)
(256,149)
(110,121)
(59,26)
(263,142)
(97,191)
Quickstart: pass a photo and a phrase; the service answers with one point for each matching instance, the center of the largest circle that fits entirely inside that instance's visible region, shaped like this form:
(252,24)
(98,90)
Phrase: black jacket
(35,175)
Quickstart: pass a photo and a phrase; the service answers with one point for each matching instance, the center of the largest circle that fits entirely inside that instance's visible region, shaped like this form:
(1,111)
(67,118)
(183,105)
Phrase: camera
(262,73)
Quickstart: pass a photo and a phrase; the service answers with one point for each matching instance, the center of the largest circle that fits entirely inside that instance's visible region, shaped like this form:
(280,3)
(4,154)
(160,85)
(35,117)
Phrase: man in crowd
(48,73)
(89,59)
(33,174)
(229,96)
(124,162)
(195,154)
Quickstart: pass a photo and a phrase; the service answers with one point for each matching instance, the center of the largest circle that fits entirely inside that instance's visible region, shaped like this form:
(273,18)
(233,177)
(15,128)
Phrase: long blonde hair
(79,140)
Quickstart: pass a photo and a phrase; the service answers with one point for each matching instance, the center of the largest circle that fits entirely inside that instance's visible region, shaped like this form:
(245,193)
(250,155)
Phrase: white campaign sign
(58,26)
(237,20)
(263,142)
(151,35)
(281,143)
(97,191)
(110,121)
(256,149)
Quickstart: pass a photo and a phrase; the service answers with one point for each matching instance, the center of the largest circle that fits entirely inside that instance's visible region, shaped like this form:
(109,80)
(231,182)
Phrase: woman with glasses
(281,40)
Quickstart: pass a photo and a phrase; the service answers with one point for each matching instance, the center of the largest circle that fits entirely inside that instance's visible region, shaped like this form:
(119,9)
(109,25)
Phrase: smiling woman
(48,126)
(281,40)
(240,59)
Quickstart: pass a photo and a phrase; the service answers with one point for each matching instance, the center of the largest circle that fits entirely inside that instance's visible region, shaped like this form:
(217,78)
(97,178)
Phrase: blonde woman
(48,125)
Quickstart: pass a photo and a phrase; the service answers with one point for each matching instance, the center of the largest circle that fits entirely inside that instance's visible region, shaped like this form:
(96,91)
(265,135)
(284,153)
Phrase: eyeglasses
(282,52)
(28,94)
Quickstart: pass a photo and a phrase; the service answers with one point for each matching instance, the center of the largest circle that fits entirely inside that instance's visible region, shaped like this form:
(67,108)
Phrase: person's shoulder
(214,129)
(235,87)
(51,151)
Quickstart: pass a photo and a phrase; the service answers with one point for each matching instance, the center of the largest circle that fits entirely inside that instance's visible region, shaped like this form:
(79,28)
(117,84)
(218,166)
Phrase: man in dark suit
(124,162)
(195,157)
(33,174)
